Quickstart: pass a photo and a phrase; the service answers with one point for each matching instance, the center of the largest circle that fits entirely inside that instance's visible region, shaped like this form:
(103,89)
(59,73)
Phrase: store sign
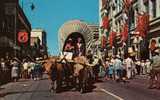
(23,37)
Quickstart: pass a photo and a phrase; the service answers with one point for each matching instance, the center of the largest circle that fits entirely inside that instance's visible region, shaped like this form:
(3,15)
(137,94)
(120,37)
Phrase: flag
(105,22)
(111,38)
(142,24)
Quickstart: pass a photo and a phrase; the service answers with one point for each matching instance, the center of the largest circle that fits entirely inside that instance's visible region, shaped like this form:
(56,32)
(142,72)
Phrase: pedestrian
(148,66)
(96,67)
(15,70)
(37,71)
(112,63)
(3,64)
(25,70)
(32,74)
(129,64)
(110,70)
(138,67)
(118,68)
(106,69)
(143,67)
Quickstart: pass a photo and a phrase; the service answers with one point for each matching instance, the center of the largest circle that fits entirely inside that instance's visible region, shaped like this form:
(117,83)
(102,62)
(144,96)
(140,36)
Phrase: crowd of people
(120,69)
(15,69)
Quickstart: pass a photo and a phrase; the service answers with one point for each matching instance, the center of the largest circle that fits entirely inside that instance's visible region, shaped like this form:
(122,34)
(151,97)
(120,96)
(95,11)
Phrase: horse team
(76,73)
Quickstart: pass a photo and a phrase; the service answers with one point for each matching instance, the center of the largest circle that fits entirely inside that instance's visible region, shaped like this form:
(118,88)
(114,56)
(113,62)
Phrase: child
(110,71)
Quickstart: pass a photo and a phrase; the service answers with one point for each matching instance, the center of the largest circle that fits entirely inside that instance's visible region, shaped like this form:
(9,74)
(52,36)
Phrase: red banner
(23,37)
(142,24)
(103,41)
(124,33)
(111,38)
(105,22)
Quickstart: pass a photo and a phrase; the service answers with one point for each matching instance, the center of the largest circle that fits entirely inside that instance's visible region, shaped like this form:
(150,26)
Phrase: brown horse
(57,71)
(82,73)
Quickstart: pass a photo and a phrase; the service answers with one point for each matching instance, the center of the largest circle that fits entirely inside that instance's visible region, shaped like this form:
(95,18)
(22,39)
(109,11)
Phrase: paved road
(135,89)
(108,90)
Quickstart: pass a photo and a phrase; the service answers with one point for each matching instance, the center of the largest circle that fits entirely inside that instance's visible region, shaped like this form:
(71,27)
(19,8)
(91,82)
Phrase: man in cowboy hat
(155,71)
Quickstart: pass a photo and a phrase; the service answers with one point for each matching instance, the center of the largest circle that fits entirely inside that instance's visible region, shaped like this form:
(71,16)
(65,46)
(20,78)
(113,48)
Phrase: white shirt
(129,62)
(25,66)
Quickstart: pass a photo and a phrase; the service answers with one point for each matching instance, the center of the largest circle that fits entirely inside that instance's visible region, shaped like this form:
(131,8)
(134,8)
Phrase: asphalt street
(136,89)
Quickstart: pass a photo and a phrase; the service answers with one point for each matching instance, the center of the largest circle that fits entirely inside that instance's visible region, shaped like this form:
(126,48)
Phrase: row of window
(150,8)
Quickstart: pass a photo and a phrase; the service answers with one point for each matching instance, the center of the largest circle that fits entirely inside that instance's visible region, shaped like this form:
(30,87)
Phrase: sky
(52,14)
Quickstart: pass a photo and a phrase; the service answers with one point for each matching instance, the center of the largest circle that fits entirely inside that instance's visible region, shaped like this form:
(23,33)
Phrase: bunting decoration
(104,21)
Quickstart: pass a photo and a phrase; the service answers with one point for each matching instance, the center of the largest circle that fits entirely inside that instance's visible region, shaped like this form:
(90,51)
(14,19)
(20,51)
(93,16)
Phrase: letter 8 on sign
(22,37)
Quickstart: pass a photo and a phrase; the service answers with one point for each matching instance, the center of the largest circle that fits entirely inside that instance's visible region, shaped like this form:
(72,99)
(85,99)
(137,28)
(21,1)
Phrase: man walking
(118,68)
(129,64)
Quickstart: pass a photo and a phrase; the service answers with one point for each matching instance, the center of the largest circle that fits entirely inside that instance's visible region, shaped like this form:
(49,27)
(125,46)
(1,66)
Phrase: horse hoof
(81,91)
(52,91)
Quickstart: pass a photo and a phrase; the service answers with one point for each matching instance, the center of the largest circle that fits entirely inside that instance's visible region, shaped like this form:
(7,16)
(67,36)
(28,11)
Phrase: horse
(57,71)
(82,73)
(154,78)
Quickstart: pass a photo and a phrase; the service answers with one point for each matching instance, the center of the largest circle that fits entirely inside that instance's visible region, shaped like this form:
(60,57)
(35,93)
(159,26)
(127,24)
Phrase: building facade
(95,48)
(15,30)
(119,14)
(39,42)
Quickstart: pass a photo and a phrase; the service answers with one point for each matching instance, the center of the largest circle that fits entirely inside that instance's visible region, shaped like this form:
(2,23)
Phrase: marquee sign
(23,37)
